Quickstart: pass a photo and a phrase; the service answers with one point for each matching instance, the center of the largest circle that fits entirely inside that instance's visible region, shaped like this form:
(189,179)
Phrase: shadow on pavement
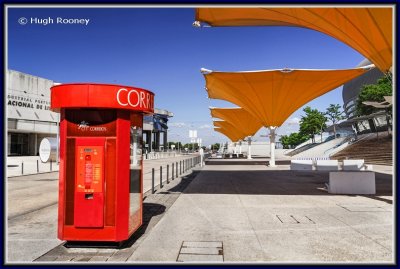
(150,210)
(254,161)
(276,182)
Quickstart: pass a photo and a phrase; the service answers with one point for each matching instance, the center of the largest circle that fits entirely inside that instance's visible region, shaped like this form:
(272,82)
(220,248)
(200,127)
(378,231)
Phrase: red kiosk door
(89,182)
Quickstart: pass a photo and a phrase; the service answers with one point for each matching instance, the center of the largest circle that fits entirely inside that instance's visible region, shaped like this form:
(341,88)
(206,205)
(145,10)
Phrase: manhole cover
(201,251)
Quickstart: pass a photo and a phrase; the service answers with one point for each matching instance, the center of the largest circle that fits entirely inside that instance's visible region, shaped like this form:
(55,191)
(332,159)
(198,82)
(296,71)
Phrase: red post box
(100,182)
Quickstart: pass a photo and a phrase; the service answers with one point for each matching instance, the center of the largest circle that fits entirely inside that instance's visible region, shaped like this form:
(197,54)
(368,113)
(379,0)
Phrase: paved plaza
(225,213)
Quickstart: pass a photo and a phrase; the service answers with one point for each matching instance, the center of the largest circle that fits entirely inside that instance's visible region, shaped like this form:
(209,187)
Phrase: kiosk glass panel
(135,173)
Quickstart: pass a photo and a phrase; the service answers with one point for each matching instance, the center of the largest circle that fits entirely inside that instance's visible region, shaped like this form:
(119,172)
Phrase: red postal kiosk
(100,183)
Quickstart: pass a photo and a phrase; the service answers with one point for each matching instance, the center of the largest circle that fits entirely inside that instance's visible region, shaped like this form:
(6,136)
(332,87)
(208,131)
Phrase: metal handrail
(347,139)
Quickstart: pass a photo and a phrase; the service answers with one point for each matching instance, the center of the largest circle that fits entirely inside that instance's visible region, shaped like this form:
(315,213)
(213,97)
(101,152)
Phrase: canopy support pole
(240,147)
(272,145)
(249,148)
(234,148)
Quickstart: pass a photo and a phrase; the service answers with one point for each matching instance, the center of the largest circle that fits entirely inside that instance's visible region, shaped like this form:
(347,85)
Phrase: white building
(29,118)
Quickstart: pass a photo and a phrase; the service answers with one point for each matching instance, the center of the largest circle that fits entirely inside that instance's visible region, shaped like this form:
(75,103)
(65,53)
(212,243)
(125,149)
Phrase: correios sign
(134,98)
(101,96)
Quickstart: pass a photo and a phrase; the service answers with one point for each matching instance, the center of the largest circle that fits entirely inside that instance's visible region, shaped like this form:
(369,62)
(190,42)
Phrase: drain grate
(201,251)
(364,208)
(291,219)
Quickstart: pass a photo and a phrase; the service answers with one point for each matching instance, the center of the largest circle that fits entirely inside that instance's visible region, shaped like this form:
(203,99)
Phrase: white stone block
(301,165)
(357,182)
(353,165)
(327,165)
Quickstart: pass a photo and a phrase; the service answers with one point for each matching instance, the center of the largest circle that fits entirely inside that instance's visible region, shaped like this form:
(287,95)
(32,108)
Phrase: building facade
(155,127)
(350,93)
(29,118)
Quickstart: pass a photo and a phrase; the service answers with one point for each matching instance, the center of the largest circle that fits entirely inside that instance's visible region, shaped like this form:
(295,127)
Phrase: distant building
(350,93)
(153,126)
(29,118)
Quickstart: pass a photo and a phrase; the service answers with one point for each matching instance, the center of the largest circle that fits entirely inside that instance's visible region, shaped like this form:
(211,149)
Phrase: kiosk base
(93,244)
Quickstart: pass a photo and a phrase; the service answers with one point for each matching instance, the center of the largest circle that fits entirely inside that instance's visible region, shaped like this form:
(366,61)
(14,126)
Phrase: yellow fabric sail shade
(230,131)
(239,118)
(367,30)
(228,134)
(271,96)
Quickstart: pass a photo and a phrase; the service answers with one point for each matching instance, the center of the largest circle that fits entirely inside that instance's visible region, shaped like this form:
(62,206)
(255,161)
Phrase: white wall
(261,149)
(34,93)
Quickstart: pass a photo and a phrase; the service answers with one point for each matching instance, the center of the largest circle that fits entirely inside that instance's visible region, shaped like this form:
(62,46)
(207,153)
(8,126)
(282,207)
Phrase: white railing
(158,155)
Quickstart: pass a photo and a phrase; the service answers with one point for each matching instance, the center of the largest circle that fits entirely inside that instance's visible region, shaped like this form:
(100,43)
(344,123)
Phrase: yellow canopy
(367,30)
(239,118)
(271,96)
(231,136)
(229,129)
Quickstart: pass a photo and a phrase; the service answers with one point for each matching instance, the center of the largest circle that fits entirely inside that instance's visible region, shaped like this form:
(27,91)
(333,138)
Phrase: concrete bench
(327,165)
(355,165)
(301,165)
(352,182)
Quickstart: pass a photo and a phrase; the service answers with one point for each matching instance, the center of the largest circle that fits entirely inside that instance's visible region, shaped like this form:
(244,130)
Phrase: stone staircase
(301,149)
(371,149)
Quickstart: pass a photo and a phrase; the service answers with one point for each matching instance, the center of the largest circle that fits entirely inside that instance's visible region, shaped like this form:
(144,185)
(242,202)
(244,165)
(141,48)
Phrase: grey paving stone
(98,259)
(202,244)
(63,258)
(238,206)
(105,250)
(121,255)
(46,258)
(287,219)
(201,250)
(81,258)
(364,208)
(82,250)
(294,219)
(199,258)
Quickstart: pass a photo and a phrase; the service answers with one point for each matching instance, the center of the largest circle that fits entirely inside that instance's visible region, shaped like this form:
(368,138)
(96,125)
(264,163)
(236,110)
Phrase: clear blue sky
(159,49)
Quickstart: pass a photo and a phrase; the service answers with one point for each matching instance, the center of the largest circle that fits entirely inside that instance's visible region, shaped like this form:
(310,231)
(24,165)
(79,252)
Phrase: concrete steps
(372,150)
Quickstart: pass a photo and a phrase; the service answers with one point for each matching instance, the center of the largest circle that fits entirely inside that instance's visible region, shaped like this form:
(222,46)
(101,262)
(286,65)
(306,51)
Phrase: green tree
(296,139)
(292,140)
(312,123)
(191,146)
(284,139)
(373,92)
(178,145)
(215,146)
(334,115)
